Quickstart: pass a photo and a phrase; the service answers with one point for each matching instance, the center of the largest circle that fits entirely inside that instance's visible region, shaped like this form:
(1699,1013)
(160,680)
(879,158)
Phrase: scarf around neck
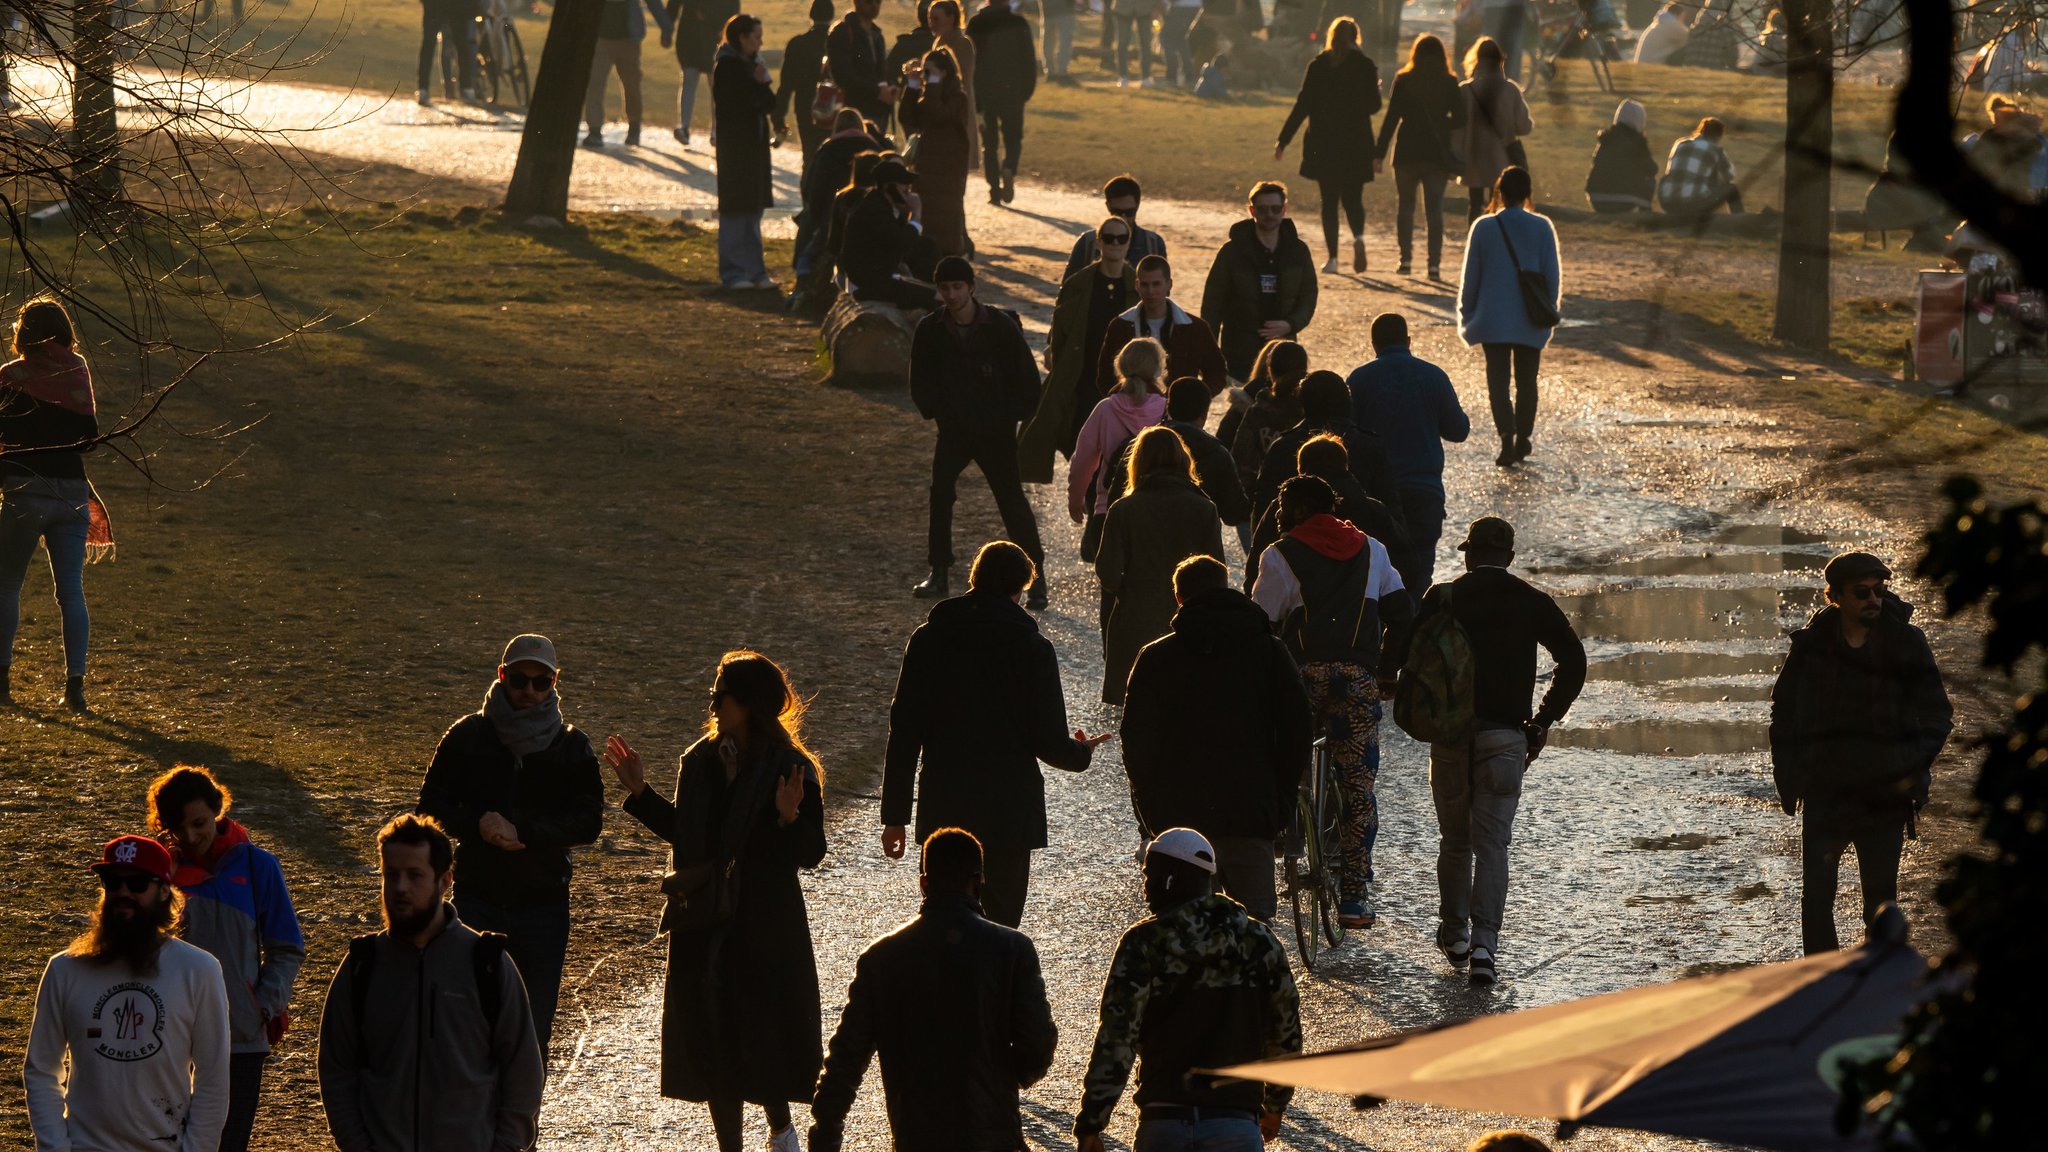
(523,731)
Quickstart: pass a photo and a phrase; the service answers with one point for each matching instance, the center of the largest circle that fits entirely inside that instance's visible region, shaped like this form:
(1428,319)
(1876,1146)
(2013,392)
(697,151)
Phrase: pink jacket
(1115,419)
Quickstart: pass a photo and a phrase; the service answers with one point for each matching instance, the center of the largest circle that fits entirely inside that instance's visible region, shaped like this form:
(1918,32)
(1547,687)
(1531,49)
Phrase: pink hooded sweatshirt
(1115,419)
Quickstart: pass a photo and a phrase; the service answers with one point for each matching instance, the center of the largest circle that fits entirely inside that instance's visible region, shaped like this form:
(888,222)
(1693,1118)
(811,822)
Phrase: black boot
(932,587)
(1523,447)
(6,691)
(74,693)
(1036,598)
(1507,455)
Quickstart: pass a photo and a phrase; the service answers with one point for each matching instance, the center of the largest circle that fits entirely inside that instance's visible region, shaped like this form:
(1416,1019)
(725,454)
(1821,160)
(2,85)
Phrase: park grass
(1870,332)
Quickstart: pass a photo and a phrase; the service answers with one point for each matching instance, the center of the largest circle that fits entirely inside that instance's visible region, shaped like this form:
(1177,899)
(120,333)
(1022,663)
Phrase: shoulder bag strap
(1503,226)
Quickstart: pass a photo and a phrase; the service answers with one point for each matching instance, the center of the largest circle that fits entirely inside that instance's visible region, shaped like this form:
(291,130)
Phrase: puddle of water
(1667,738)
(1761,535)
(1676,842)
(1705,564)
(1646,901)
(1711,693)
(1647,667)
(1713,968)
(1642,615)
(1749,892)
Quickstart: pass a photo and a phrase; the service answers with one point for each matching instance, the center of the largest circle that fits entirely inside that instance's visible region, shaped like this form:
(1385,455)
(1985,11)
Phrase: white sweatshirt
(147,1055)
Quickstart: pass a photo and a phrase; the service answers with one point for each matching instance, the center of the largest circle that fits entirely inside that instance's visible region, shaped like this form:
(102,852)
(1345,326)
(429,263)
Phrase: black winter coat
(740,1010)
(1231,299)
(1858,728)
(803,63)
(875,242)
(1425,112)
(741,106)
(855,54)
(956,1007)
(700,29)
(979,697)
(555,798)
(1340,91)
(984,384)
(1368,465)
(1623,173)
(1005,57)
(1216,726)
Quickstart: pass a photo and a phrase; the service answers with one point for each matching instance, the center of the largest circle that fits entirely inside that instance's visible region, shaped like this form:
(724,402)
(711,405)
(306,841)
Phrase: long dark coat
(740,1011)
(700,29)
(1340,91)
(1147,535)
(944,122)
(740,106)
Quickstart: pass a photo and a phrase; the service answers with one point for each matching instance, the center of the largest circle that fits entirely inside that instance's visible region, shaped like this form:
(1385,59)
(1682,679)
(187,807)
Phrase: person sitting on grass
(1624,174)
(1665,38)
(1699,177)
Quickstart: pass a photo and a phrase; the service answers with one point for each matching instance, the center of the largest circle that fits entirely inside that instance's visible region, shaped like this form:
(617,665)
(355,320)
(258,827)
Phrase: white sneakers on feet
(784,1141)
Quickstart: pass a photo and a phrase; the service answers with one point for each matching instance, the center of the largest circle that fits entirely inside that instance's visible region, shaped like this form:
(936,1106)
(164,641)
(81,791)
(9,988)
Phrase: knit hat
(1633,114)
(137,852)
(953,269)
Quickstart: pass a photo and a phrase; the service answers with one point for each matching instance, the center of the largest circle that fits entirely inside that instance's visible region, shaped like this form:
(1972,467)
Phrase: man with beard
(518,788)
(140,1017)
(427,1041)
(1262,285)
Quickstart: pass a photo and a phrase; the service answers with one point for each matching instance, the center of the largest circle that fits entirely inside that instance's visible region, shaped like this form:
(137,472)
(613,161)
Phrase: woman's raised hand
(789,792)
(625,765)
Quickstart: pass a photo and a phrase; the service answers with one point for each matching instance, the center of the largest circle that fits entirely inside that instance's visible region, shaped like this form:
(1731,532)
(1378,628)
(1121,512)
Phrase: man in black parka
(1217,730)
(1326,408)
(979,698)
(972,372)
(1005,76)
(1857,717)
(518,788)
(855,52)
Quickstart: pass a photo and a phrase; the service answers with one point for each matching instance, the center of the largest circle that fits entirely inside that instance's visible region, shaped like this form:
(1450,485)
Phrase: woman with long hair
(1340,90)
(740,1020)
(1425,112)
(1138,403)
(742,101)
(1161,521)
(936,107)
(1496,118)
(1275,387)
(46,415)
(1493,313)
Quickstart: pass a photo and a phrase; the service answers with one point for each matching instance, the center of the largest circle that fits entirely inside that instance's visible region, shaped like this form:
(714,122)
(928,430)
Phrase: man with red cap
(140,1016)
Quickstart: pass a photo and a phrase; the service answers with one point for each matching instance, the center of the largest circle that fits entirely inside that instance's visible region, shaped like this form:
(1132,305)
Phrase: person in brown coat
(1164,520)
(948,31)
(1189,341)
(935,106)
(1496,117)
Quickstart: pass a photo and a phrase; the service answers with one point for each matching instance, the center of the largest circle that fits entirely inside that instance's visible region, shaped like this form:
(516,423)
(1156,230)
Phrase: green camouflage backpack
(1433,700)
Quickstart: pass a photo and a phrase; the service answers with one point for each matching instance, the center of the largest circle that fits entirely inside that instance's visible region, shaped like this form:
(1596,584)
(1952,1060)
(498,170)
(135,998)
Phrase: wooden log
(869,343)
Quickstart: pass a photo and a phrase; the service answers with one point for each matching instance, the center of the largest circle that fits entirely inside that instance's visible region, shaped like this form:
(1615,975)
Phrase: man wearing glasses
(518,788)
(1857,717)
(1263,284)
(140,1017)
(1121,197)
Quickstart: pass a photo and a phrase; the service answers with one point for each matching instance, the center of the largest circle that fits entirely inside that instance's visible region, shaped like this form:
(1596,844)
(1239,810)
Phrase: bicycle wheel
(1328,838)
(515,66)
(1303,885)
(486,62)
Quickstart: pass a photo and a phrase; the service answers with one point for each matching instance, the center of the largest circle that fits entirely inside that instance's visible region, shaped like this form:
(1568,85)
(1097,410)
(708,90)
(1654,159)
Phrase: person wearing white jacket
(1665,38)
(141,1018)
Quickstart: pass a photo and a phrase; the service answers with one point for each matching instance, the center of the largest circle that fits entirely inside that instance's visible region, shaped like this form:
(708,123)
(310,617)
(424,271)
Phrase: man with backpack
(1338,602)
(972,373)
(426,1042)
(1465,687)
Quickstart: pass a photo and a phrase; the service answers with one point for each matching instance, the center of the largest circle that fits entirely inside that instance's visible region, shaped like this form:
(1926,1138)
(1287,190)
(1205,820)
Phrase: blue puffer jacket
(237,909)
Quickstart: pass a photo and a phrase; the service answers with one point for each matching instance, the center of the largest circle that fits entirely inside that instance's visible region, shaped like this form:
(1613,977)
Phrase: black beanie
(822,11)
(953,268)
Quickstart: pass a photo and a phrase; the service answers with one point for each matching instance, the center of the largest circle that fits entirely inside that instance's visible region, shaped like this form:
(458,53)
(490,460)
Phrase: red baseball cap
(139,853)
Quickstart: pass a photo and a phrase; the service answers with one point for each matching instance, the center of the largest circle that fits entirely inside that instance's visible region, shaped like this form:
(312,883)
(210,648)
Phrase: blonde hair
(1139,366)
(1159,449)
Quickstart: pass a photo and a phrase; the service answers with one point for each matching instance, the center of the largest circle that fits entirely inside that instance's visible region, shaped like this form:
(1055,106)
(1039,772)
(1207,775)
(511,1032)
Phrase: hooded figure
(1624,174)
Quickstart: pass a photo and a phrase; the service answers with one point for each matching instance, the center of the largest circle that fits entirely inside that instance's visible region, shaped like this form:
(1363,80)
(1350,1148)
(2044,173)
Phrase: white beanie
(1632,114)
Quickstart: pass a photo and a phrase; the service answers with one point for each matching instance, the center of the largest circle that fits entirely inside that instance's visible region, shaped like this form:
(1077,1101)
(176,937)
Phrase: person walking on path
(1503,247)
(128,1047)
(1187,415)
(955,1006)
(1411,403)
(446,25)
(935,107)
(1190,345)
(238,909)
(1058,38)
(972,373)
(1476,783)
(1133,35)
(697,28)
(1262,285)
(796,85)
(1216,730)
(949,31)
(1178,57)
(979,699)
(1339,604)
(620,29)
(1502,21)
(1496,118)
(46,407)
(1326,408)
(1858,716)
(1623,177)
(1163,520)
(911,47)
(1138,403)
(855,52)
(1244,1007)
(1698,176)
(519,788)
(426,1039)
(741,104)
(1275,391)
(1005,76)
(1081,314)
(1121,195)
(739,1018)
(1425,113)
(1340,91)
(1324,457)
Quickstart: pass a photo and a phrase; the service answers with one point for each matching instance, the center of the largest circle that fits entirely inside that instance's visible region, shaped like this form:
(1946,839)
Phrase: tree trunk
(95,164)
(1805,295)
(547,146)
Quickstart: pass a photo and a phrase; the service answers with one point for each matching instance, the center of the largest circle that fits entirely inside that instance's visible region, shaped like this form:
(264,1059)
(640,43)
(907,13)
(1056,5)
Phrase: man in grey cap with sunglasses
(518,787)
(1857,717)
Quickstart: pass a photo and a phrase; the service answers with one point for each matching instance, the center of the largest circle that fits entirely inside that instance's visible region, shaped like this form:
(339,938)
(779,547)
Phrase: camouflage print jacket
(1201,986)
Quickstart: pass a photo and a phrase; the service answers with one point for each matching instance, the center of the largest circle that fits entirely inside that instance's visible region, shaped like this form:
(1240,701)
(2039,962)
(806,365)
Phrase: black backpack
(1332,616)
(487,960)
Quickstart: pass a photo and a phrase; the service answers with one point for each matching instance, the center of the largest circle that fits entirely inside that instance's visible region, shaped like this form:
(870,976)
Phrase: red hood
(187,872)
(1330,536)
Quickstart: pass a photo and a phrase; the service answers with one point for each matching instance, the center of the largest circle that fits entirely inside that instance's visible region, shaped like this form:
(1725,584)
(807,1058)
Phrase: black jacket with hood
(555,798)
(982,379)
(1231,300)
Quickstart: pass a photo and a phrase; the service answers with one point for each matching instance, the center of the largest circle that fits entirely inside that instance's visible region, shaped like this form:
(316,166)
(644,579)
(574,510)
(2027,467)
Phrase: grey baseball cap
(531,646)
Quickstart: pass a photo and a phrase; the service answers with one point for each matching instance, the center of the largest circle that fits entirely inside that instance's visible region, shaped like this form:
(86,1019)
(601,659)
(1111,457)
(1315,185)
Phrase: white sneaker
(784,1141)
(1330,266)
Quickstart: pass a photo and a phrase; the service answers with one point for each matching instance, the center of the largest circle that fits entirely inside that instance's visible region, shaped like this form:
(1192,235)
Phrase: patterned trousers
(1346,704)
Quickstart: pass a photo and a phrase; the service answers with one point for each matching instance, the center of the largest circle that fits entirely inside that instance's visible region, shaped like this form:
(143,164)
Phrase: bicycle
(500,57)
(1313,848)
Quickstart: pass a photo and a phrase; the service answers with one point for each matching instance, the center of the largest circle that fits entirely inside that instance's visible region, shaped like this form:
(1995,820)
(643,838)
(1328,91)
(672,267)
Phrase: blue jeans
(1059,40)
(1173,43)
(1477,785)
(1231,1135)
(61,525)
(538,942)
(740,262)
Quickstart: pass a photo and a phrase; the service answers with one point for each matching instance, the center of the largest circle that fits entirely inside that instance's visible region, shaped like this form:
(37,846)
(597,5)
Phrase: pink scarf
(54,374)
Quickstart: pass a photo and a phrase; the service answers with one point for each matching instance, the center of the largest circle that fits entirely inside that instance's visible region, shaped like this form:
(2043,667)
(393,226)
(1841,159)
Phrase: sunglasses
(520,680)
(1114,237)
(128,882)
(1871,592)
